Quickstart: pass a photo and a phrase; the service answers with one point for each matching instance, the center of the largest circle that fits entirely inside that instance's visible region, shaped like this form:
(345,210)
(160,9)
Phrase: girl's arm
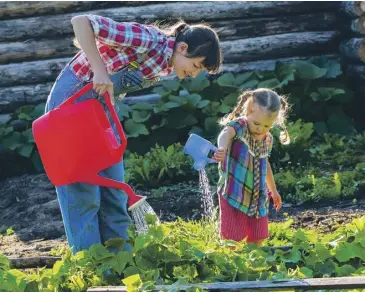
(270,178)
(86,38)
(270,181)
(224,139)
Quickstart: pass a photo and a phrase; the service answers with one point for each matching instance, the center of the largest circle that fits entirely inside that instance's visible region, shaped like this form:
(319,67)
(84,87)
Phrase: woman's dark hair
(202,41)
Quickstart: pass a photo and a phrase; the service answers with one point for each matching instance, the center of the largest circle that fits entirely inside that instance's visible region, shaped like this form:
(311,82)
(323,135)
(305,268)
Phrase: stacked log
(352,52)
(352,48)
(36,40)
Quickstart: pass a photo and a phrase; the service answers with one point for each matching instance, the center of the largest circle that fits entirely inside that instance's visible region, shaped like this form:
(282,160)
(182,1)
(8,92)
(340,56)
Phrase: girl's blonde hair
(268,100)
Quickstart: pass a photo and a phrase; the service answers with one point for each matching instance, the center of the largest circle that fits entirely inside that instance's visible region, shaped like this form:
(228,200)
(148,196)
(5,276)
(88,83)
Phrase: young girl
(244,146)
(123,57)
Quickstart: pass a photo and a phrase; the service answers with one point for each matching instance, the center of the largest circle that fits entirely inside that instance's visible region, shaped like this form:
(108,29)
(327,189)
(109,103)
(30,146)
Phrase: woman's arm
(86,38)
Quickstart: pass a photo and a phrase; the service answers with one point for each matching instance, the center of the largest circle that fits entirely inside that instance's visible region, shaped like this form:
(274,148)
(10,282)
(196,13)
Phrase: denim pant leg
(113,215)
(79,202)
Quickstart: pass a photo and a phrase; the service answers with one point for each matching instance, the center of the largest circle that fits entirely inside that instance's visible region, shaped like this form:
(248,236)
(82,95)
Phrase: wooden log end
(359,7)
(361,50)
(353,49)
(353,9)
(358,25)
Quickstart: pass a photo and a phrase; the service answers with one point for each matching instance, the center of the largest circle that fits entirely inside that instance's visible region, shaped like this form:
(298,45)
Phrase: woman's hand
(102,84)
(220,154)
(276,198)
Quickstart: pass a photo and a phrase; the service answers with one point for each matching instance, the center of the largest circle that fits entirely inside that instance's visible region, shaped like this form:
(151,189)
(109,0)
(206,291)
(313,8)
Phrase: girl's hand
(276,200)
(102,84)
(219,154)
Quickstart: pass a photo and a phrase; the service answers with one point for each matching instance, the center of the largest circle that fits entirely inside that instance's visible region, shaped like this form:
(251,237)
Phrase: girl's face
(259,121)
(185,66)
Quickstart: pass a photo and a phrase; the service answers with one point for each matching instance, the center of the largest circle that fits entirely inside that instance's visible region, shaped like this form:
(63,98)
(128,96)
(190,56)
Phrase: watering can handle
(111,108)
(213,148)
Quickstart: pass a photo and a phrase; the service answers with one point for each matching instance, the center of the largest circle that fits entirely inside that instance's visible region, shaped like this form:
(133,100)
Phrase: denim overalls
(93,214)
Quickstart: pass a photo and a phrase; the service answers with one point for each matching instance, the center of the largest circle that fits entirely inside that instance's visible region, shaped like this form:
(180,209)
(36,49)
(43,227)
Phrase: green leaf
(171,85)
(26,150)
(130,271)
(171,104)
(225,109)
(28,135)
(196,84)
(171,257)
(231,99)
(17,278)
(227,80)
(151,219)
(13,141)
(132,283)
(177,99)
(140,116)
(123,110)
(326,93)
(202,103)
(135,129)
(315,96)
(142,106)
(286,79)
(193,99)
(99,252)
(271,83)
(120,261)
(139,242)
(241,78)
(38,111)
(345,271)
(333,66)
(284,72)
(249,84)
(24,116)
(117,243)
(26,109)
(307,272)
(161,91)
(4,263)
(306,70)
(344,252)
(322,252)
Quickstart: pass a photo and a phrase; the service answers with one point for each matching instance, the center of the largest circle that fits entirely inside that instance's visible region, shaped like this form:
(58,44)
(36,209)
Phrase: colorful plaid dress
(242,179)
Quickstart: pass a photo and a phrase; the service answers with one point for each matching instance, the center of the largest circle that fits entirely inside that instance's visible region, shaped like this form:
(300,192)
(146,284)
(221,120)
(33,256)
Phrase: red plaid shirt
(120,43)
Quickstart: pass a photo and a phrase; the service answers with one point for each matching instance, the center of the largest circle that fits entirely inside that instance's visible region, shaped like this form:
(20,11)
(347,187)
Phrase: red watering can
(76,141)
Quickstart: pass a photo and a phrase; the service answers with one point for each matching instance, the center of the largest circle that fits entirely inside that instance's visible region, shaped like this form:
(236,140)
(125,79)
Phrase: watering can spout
(134,200)
(198,148)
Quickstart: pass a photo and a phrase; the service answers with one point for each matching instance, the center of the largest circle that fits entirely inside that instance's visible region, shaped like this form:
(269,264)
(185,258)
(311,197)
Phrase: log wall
(36,37)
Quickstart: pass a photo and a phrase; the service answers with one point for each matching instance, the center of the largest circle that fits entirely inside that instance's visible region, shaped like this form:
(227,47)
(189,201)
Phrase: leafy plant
(159,166)
(177,253)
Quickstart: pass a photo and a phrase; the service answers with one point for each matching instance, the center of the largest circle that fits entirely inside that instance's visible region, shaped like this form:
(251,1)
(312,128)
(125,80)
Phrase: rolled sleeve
(121,34)
(239,126)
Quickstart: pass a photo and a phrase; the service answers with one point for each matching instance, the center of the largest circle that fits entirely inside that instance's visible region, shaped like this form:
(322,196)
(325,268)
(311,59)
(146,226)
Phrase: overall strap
(136,64)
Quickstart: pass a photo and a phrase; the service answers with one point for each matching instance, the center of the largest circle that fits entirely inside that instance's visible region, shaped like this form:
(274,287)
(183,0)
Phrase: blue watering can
(199,149)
